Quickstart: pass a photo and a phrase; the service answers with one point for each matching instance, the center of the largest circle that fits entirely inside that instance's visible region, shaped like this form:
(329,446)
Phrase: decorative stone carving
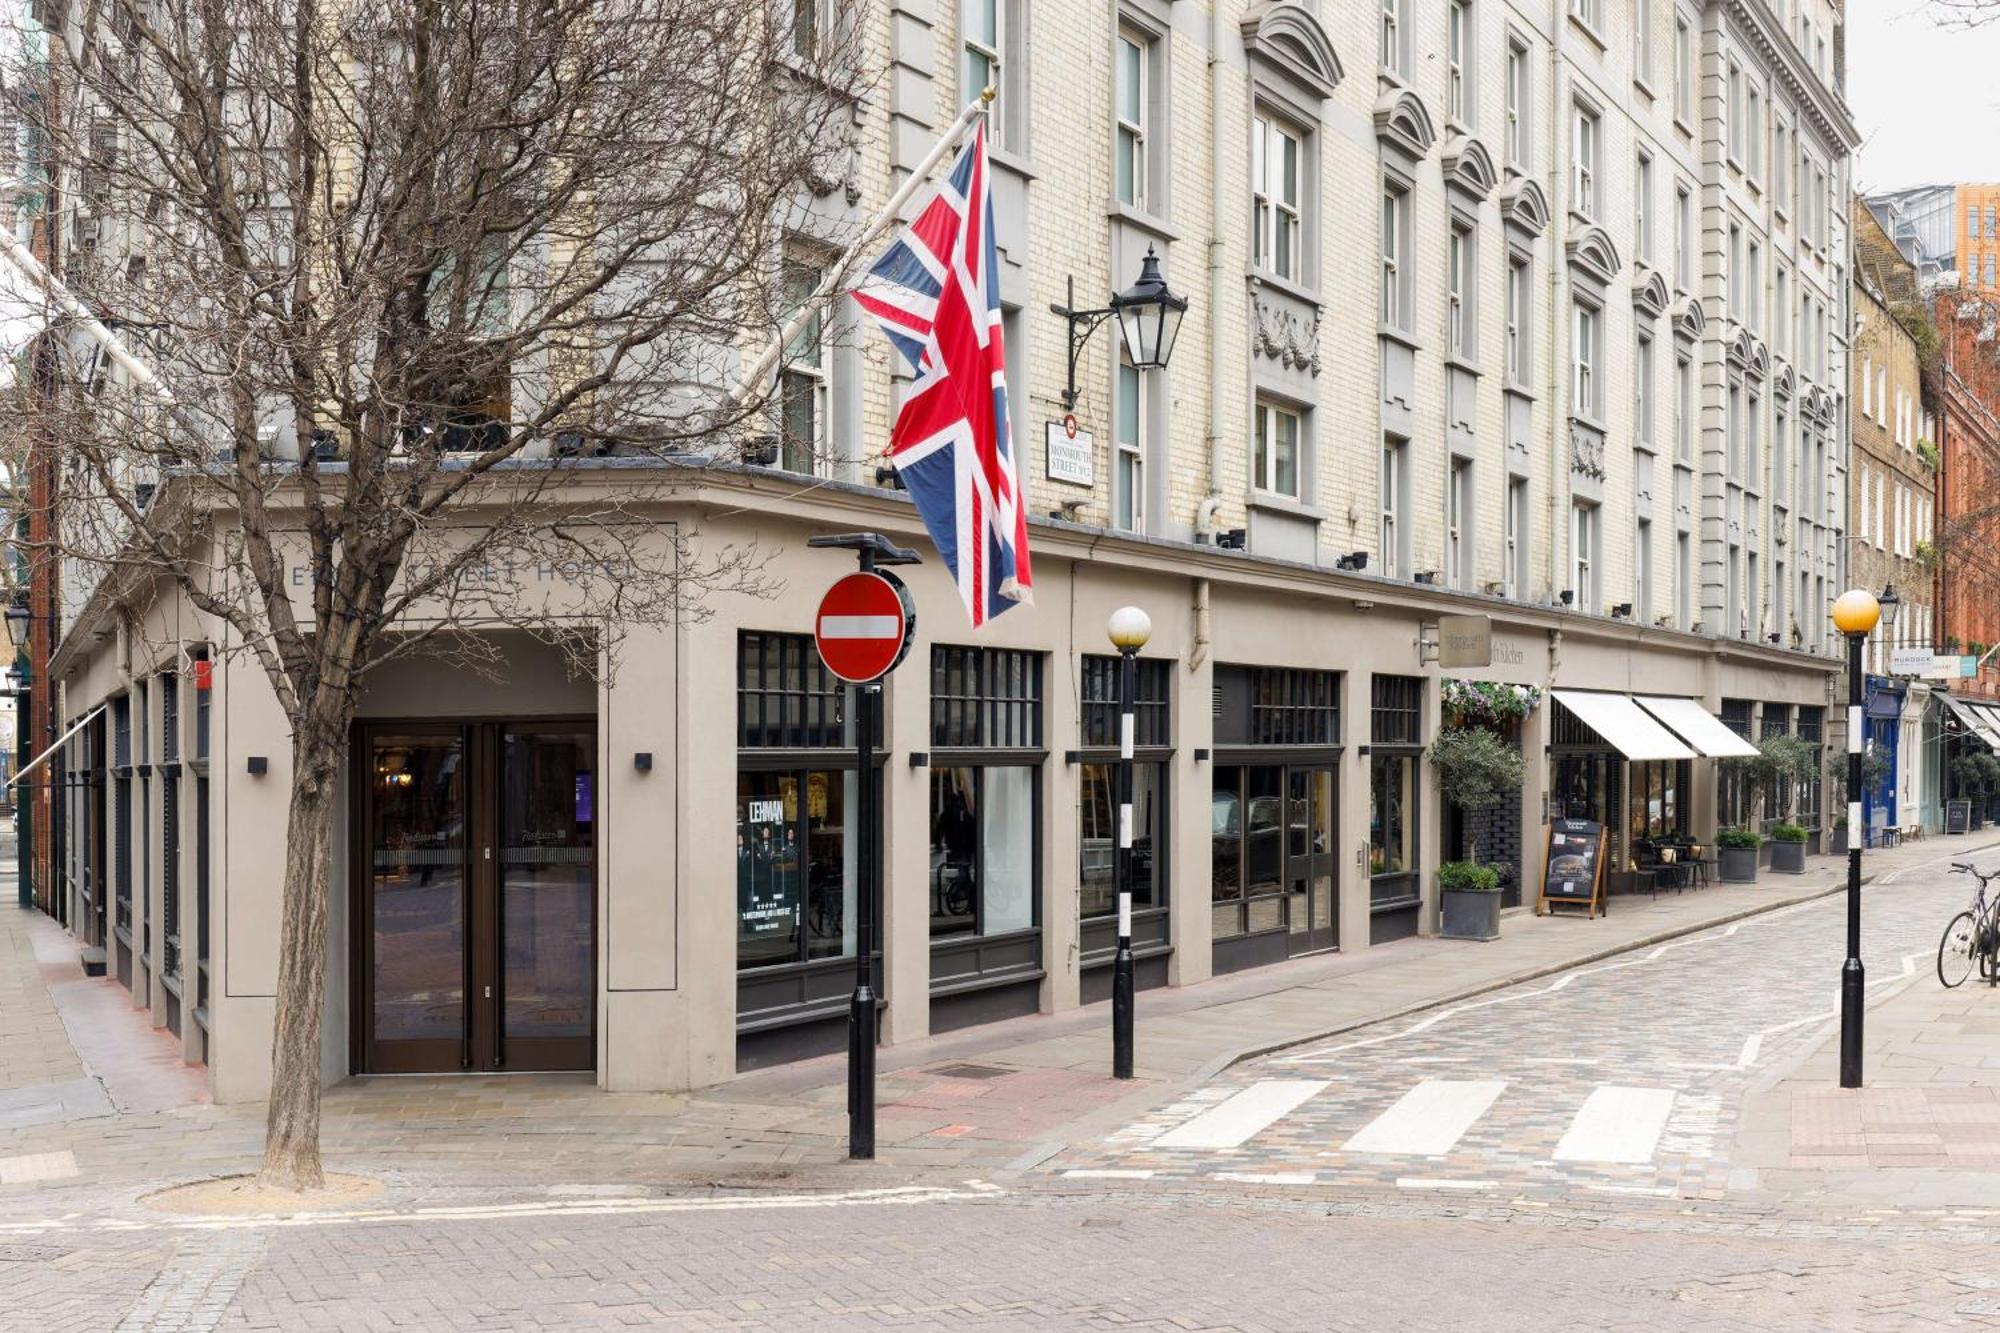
(1286,338)
(1586,453)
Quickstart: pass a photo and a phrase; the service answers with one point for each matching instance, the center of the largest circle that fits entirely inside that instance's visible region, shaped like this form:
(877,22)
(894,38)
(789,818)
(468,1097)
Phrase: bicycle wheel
(1955,950)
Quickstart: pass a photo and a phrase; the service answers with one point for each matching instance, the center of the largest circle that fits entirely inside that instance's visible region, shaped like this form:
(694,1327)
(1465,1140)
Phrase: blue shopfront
(1882,730)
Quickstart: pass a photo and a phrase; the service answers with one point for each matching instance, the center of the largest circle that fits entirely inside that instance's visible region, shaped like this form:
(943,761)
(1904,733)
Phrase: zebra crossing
(1612,1124)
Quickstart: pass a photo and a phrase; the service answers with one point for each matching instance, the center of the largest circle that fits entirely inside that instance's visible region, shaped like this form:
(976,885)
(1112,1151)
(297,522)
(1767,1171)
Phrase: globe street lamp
(1855,614)
(1129,629)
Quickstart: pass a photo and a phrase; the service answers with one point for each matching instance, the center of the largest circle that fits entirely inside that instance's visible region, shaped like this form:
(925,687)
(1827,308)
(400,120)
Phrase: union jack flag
(935,293)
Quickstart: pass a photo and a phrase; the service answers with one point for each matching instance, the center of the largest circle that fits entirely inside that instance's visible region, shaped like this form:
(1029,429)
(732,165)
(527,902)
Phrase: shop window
(795,870)
(796,798)
(1293,708)
(170,824)
(121,813)
(1654,807)
(986,698)
(786,698)
(1395,732)
(1396,710)
(1152,682)
(984,807)
(1270,836)
(1392,824)
(1097,810)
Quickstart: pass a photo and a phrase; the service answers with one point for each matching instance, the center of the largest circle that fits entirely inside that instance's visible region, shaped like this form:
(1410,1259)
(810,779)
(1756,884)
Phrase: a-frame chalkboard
(1573,866)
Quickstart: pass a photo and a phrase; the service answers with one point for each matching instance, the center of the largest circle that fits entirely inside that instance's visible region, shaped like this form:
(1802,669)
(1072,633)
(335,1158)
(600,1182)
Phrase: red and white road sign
(863,626)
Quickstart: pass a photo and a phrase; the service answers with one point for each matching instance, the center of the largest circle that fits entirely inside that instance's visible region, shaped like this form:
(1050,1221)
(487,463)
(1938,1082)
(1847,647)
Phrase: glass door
(547,895)
(478,887)
(1309,854)
(415,901)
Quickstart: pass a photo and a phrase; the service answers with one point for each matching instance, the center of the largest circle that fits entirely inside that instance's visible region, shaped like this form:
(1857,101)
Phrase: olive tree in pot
(1788,848)
(1737,849)
(1477,770)
(1469,894)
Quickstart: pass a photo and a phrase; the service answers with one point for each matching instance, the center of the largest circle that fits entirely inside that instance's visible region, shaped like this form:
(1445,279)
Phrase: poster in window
(767,871)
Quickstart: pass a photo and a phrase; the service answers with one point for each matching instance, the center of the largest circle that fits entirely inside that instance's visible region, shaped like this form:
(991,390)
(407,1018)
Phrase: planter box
(1739,865)
(1470,915)
(1838,845)
(1788,858)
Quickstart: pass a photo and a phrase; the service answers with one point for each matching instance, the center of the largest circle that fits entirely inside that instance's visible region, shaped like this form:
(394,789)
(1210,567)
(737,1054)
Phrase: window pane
(1128,167)
(1130,64)
(768,872)
(1389,814)
(1226,851)
(1291,195)
(982,21)
(1007,849)
(1264,829)
(954,852)
(831,875)
(1288,453)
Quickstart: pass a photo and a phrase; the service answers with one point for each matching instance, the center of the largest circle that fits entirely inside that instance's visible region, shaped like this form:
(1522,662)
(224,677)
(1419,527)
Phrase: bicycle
(1972,935)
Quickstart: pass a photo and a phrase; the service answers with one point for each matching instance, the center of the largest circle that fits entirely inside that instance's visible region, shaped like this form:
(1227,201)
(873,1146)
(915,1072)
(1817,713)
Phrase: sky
(1925,95)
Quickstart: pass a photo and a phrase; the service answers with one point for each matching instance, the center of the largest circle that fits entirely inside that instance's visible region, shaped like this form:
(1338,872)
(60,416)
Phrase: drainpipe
(1199,653)
(1204,521)
(1559,146)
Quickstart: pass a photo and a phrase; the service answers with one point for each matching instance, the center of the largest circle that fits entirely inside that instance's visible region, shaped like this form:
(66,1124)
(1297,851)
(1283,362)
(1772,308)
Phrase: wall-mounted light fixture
(1621,611)
(1566,596)
(1352,560)
(259,765)
(1148,314)
(643,761)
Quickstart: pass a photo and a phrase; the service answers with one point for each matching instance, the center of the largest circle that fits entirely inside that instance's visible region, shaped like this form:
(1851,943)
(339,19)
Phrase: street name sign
(863,626)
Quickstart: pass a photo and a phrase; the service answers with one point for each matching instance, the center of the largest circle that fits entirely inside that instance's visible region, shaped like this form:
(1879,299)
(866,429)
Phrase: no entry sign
(863,626)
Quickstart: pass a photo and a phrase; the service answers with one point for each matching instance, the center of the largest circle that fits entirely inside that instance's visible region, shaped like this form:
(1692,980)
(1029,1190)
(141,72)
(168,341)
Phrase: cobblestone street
(1639,1140)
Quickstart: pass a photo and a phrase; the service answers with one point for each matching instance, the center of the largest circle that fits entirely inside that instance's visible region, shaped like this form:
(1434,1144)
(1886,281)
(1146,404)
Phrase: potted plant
(1839,847)
(1477,770)
(1737,850)
(1470,894)
(1788,848)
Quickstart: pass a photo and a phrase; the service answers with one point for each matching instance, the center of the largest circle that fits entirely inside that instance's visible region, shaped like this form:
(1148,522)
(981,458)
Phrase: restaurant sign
(1465,641)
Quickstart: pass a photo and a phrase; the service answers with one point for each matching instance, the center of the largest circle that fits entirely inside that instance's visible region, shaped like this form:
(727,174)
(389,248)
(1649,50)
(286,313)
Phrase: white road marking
(1243,1116)
(1617,1124)
(34,1167)
(1657,1191)
(900,1194)
(1080,1173)
(1418,1183)
(1428,1119)
(1268,1177)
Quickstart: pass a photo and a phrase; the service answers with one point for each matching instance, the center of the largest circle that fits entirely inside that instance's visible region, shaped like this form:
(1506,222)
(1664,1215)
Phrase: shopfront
(796,773)
(985,767)
(1395,822)
(1097,822)
(1273,881)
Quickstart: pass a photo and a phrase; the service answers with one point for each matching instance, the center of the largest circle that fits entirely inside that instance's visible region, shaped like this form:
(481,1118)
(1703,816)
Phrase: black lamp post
(19,618)
(1129,629)
(1149,317)
(1855,614)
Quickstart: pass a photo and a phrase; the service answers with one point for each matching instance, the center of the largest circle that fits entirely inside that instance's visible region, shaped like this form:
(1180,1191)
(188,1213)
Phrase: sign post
(863,630)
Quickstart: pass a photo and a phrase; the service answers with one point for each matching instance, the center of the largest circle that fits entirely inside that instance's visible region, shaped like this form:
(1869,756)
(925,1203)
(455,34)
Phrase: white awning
(1985,720)
(1701,728)
(1977,725)
(1623,724)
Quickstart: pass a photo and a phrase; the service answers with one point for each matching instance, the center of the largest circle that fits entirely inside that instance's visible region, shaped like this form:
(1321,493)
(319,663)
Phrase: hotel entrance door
(475,888)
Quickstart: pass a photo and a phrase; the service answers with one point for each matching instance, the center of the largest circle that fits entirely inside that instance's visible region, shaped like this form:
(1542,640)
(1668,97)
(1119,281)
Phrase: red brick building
(1968,493)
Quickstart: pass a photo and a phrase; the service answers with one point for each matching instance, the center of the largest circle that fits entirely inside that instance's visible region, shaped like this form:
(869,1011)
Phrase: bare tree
(410,270)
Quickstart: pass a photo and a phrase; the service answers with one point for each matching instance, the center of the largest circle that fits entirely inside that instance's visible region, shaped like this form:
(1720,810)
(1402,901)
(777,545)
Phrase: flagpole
(24,260)
(837,274)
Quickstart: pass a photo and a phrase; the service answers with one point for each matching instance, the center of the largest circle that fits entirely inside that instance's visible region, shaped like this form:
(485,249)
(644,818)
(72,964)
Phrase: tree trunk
(291,1139)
